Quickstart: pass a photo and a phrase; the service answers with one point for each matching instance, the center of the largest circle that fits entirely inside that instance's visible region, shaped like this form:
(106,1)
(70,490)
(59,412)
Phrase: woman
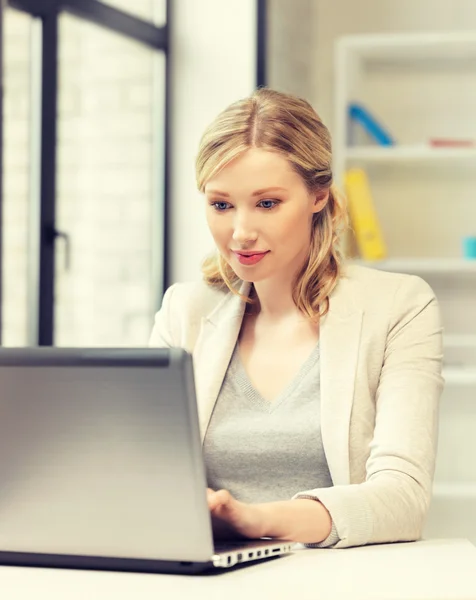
(317,383)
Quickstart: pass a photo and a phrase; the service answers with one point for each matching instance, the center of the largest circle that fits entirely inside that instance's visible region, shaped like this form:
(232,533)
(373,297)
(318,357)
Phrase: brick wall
(105,190)
(16,176)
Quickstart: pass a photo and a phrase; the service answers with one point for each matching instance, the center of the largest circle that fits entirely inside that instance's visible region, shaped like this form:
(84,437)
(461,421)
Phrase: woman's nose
(244,230)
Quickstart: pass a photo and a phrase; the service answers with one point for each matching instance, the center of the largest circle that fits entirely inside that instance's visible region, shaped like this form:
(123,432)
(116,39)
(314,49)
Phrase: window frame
(41,304)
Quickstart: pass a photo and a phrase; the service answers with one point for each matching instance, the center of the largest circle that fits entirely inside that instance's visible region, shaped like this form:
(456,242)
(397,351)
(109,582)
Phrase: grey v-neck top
(262,451)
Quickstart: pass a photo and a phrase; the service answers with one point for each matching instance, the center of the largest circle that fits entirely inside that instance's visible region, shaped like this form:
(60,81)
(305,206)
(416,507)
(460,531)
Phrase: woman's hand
(234,519)
(302,520)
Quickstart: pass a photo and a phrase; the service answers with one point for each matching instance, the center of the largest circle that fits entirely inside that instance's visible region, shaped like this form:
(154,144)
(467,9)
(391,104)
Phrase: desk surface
(427,570)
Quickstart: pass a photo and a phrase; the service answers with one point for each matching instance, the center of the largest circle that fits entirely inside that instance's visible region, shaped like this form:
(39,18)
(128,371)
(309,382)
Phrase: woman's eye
(220,206)
(268,204)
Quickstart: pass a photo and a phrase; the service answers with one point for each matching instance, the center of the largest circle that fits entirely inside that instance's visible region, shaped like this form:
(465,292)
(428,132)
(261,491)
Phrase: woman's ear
(321,198)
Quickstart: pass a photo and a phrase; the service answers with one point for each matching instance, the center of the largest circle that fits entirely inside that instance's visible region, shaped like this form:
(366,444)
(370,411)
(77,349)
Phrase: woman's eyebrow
(267,190)
(256,193)
(218,193)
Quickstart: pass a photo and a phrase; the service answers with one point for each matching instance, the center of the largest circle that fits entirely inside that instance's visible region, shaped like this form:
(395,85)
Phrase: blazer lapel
(214,348)
(339,338)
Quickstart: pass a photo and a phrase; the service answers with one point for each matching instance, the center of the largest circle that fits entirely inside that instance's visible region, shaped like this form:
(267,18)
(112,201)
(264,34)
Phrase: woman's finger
(224,497)
(218,499)
(214,499)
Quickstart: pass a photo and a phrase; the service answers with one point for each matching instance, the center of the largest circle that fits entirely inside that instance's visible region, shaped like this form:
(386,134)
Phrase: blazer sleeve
(162,332)
(392,503)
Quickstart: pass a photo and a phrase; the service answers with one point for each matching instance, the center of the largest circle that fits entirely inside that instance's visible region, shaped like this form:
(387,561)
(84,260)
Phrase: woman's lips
(250,258)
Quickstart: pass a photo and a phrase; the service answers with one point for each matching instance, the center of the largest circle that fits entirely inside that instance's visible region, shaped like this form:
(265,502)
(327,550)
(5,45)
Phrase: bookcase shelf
(460,341)
(411,47)
(460,376)
(455,490)
(421,153)
(424,266)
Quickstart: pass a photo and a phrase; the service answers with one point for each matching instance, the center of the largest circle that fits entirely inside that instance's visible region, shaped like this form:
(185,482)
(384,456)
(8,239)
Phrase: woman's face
(259,212)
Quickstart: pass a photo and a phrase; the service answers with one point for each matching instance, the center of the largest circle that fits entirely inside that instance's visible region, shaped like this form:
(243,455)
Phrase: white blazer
(381,357)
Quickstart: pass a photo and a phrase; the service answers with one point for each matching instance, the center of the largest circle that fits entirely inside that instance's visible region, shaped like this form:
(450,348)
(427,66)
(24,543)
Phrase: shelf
(411,46)
(420,266)
(407,153)
(455,490)
(460,375)
(360,68)
(462,340)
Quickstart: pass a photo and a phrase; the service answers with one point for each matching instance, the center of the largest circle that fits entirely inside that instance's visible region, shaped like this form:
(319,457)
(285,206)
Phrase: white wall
(214,64)
(291,34)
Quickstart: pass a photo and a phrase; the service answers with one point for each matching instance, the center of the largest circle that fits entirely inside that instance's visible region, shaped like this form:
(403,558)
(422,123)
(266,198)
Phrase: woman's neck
(274,300)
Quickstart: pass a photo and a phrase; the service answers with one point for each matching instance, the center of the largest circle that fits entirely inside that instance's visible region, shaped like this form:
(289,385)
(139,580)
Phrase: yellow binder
(365,223)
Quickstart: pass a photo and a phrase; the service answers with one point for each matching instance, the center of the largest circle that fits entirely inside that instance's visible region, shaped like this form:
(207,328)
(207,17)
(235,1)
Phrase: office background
(99,207)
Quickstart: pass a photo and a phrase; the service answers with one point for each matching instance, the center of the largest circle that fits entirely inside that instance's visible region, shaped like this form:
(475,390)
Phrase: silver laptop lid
(100,454)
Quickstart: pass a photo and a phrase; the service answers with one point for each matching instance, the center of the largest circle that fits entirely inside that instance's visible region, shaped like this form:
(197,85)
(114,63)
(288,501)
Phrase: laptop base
(101,563)
(226,556)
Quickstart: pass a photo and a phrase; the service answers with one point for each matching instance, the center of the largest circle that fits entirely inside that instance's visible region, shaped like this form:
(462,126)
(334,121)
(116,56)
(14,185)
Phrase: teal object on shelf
(469,247)
(360,114)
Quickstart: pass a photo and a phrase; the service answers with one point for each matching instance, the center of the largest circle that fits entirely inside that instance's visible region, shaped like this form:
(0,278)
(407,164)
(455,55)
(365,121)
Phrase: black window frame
(261,43)
(128,26)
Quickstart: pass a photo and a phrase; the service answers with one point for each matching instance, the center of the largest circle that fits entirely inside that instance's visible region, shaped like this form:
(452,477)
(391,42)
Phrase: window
(84,202)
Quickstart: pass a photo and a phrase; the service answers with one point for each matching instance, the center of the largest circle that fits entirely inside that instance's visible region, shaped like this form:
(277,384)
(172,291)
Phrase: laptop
(101,464)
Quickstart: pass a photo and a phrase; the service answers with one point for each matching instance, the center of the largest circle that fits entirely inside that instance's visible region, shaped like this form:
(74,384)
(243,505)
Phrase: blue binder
(359,114)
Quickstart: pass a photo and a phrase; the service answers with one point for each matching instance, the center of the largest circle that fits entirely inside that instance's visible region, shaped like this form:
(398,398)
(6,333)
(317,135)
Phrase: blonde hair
(286,124)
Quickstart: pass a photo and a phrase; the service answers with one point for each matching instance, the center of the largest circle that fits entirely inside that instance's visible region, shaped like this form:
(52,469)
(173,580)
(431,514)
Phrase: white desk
(429,570)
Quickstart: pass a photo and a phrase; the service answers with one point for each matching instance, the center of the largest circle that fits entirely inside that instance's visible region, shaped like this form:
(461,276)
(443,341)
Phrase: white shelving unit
(354,53)
(461,341)
(453,511)
(417,266)
(460,375)
(459,490)
(423,153)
